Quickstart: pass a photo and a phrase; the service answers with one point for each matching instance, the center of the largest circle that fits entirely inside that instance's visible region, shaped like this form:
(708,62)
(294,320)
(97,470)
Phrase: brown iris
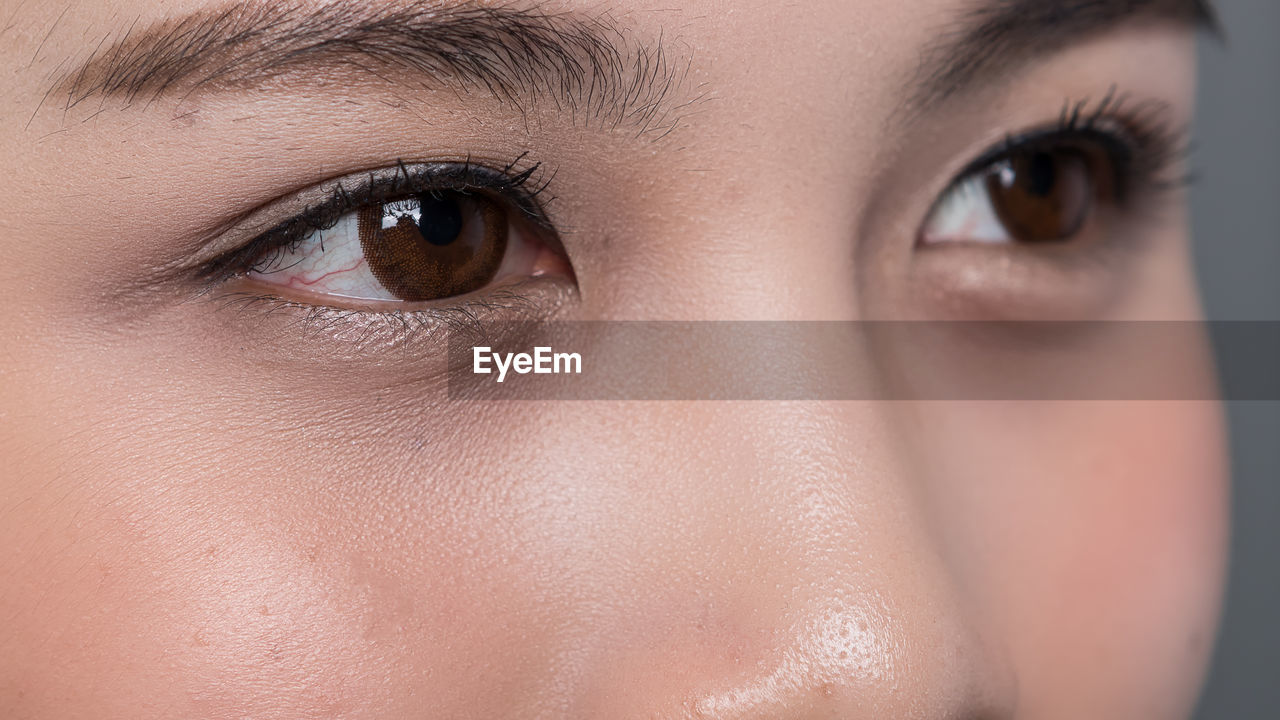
(1042,195)
(434,245)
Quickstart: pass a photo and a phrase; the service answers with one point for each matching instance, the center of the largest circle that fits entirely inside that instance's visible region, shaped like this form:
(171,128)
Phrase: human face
(235,489)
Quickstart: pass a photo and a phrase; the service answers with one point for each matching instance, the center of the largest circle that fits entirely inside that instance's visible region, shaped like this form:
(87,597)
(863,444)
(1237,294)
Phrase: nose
(773,559)
(794,575)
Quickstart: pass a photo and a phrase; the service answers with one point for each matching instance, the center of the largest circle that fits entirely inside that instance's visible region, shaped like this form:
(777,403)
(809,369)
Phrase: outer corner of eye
(963,214)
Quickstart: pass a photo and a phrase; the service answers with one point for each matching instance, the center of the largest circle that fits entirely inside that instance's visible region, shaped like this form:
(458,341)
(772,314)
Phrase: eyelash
(1137,137)
(524,190)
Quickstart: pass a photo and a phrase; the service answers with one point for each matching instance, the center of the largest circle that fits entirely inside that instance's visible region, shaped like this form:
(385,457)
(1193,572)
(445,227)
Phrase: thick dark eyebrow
(995,36)
(587,65)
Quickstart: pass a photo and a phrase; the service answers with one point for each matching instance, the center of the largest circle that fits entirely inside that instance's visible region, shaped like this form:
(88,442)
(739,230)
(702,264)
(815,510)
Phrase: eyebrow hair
(993,35)
(586,65)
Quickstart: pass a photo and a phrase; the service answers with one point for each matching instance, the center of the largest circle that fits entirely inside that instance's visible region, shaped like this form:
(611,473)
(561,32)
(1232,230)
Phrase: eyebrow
(993,36)
(585,64)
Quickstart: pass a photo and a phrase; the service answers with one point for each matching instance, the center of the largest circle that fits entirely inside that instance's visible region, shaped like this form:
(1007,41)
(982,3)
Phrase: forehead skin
(207,513)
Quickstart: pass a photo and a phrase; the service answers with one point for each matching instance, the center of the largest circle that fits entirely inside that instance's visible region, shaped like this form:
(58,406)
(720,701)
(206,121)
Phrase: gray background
(1236,206)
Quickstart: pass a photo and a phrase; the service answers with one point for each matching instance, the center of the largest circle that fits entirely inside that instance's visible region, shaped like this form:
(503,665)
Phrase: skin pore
(232,492)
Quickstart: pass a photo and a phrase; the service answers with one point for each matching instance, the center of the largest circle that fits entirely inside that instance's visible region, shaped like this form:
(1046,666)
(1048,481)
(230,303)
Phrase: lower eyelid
(965,281)
(518,287)
(293,326)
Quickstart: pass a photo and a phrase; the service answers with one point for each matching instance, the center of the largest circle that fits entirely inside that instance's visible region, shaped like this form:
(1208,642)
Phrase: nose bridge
(809,585)
(772,237)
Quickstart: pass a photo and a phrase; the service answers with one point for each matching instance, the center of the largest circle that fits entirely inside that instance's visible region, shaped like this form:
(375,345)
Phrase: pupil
(1041,174)
(439,220)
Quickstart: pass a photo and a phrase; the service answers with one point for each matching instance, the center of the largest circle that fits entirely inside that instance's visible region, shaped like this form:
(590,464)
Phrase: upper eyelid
(1028,140)
(1138,128)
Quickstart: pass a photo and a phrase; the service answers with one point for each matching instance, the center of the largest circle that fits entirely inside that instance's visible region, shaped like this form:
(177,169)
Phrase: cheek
(179,596)
(1149,555)
(214,607)
(1101,556)
(148,585)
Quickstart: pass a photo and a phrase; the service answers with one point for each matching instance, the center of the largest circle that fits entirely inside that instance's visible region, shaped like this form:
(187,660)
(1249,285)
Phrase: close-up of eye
(425,233)
(1030,195)
(1054,186)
